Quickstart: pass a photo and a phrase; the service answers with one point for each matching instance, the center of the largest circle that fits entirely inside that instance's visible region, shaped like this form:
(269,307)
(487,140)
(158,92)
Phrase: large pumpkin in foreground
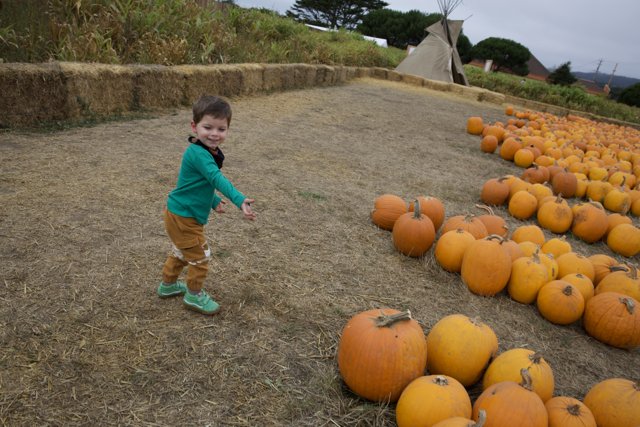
(614,319)
(486,266)
(615,402)
(380,352)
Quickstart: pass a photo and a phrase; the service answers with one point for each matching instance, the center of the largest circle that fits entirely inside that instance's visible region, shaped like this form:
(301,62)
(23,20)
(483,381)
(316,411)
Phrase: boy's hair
(212,106)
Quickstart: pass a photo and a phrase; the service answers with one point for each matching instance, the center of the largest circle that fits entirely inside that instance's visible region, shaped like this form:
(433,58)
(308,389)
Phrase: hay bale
(157,86)
(412,80)
(352,72)
(223,80)
(97,89)
(305,75)
(436,85)
(341,74)
(395,76)
(252,78)
(364,72)
(468,92)
(279,77)
(324,75)
(379,73)
(492,97)
(31,93)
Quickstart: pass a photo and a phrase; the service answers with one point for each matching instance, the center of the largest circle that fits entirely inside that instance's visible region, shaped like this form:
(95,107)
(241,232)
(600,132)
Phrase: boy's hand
(246,209)
(220,208)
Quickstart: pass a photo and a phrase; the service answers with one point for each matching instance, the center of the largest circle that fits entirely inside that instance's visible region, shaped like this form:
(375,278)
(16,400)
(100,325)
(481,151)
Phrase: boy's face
(211,131)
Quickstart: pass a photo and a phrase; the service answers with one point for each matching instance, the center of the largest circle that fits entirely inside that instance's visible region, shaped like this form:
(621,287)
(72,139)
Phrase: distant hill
(617,81)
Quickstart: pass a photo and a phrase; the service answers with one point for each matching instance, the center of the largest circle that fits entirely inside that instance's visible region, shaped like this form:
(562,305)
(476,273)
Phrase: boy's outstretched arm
(246,209)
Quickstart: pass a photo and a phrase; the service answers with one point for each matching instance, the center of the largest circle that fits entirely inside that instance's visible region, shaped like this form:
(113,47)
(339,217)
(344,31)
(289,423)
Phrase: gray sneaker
(202,303)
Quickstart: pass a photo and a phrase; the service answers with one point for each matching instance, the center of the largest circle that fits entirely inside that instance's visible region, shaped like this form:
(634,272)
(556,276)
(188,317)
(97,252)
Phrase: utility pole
(595,76)
(612,73)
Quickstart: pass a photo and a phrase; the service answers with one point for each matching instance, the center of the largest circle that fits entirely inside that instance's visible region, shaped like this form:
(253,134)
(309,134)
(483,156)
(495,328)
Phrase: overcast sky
(555,31)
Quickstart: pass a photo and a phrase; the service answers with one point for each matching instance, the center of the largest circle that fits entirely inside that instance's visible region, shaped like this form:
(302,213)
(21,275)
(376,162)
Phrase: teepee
(436,57)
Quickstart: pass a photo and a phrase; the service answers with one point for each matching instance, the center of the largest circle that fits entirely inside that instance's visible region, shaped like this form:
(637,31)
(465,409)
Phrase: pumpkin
(488,144)
(413,233)
(508,403)
(523,205)
(528,233)
(582,283)
(463,422)
(513,249)
(572,262)
(550,262)
(380,352)
(602,266)
(564,183)
(614,402)
(430,399)
(461,348)
(555,216)
(535,174)
(486,266)
(543,193)
(624,239)
(528,275)
(597,190)
(450,248)
(613,319)
(495,224)
(509,148)
(508,110)
(617,200)
(560,302)
(616,219)
(494,130)
(523,158)
(431,207)
(622,280)
(495,191)
(508,365)
(386,210)
(556,246)
(470,223)
(565,411)
(475,125)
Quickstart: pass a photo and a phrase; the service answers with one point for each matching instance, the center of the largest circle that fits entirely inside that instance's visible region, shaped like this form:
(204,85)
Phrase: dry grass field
(84,340)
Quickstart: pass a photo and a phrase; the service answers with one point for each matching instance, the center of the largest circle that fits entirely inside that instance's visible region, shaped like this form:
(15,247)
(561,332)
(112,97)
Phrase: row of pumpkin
(383,355)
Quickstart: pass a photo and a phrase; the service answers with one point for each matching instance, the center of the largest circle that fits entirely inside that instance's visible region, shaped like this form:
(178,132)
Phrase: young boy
(189,204)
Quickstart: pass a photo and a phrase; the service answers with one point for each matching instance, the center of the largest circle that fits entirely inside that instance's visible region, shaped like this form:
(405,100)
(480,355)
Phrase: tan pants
(190,250)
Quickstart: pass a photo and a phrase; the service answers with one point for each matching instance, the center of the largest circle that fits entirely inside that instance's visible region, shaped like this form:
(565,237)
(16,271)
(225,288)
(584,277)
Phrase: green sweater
(199,178)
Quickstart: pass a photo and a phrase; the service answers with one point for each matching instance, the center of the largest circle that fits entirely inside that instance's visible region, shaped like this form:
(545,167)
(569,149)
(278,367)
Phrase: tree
(404,28)
(333,13)
(506,54)
(631,95)
(562,75)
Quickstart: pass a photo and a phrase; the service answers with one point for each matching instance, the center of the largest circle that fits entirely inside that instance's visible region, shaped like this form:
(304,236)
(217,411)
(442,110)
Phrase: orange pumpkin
(488,144)
(523,205)
(614,402)
(556,246)
(528,233)
(475,125)
(380,352)
(565,184)
(573,262)
(528,275)
(450,248)
(486,266)
(614,319)
(386,210)
(622,280)
(495,191)
(602,266)
(470,223)
(508,403)
(560,302)
(624,239)
(495,224)
(508,365)
(430,399)
(461,348)
(413,233)
(565,411)
(582,283)
(555,216)
(431,207)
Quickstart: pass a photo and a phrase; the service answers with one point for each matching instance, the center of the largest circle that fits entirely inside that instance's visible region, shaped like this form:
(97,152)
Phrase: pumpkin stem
(416,209)
(574,409)
(441,380)
(535,358)
(385,320)
(495,237)
(620,267)
(568,290)
(629,304)
(526,379)
(482,418)
(486,208)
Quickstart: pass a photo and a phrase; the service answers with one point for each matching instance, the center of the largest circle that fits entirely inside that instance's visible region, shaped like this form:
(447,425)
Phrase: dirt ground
(85,341)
